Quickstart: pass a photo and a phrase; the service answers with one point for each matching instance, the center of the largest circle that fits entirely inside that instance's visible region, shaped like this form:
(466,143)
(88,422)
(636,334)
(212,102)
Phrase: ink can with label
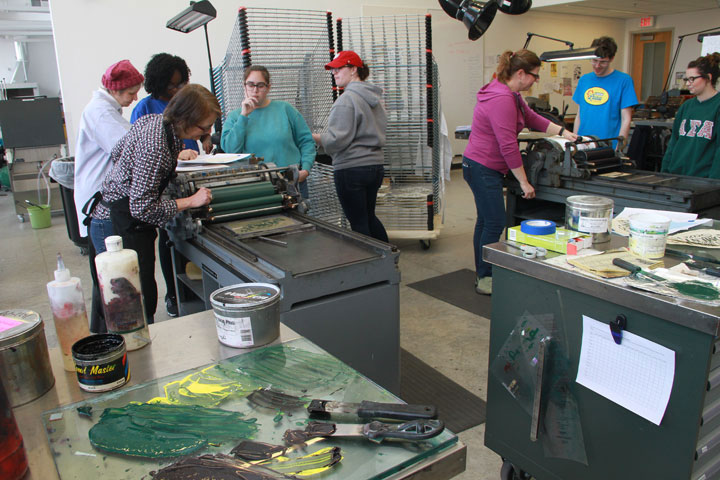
(101,362)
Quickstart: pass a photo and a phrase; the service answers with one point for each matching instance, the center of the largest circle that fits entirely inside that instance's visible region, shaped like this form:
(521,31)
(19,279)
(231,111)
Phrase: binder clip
(616,328)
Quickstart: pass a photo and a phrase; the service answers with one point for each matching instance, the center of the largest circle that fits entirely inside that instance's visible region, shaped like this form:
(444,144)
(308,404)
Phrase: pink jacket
(498,117)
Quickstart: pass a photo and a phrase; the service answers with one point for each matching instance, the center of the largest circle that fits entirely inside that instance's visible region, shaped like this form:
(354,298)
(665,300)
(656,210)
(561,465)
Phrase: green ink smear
(278,418)
(283,368)
(158,431)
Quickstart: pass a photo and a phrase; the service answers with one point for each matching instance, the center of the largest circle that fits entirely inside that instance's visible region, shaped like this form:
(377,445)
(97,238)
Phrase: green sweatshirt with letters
(694,147)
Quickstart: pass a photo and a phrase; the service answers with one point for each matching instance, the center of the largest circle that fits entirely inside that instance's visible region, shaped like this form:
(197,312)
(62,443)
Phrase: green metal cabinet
(618,443)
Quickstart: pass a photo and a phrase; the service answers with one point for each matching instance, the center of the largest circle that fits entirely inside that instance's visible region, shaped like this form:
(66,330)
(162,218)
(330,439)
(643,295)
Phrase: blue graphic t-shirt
(601,100)
(154,105)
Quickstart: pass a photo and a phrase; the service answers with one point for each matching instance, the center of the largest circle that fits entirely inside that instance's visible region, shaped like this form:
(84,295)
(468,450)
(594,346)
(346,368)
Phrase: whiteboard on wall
(710,44)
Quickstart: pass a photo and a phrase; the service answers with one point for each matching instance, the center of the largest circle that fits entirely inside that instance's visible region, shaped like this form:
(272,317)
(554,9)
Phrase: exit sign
(647,21)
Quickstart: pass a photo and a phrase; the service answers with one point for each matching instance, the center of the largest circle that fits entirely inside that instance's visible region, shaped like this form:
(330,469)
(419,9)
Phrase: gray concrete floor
(448,338)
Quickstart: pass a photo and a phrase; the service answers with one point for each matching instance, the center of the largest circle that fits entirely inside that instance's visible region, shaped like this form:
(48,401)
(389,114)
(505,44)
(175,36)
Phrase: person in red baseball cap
(355,138)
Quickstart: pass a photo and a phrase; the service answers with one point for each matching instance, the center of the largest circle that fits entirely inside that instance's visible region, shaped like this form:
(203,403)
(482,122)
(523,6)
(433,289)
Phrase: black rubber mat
(420,383)
(456,288)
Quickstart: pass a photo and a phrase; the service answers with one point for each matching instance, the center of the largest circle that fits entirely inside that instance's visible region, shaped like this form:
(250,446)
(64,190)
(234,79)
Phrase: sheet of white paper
(637,374)
(195,167)
(215,159)
(679,221)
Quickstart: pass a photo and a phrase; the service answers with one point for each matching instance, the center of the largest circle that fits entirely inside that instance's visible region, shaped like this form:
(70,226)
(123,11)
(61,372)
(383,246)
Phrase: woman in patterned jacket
(144,161)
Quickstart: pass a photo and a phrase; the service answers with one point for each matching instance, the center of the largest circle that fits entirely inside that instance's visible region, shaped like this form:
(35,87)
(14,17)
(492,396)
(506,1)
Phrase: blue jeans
(99,231)
(487,188)
(357,189)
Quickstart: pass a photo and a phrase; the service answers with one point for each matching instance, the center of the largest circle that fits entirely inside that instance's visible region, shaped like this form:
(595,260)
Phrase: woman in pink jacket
(500,114)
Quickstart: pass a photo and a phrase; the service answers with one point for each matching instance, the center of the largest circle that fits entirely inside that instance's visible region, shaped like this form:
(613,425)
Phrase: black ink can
(101,362)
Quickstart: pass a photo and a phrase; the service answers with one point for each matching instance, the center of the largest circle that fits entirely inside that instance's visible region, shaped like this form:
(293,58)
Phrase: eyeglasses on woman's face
(692,79)
(176,86)
(534,75)
(336,70)
(258,86)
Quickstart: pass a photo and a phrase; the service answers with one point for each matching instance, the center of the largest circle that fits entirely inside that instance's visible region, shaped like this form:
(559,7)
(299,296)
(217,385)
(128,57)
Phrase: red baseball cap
(344,58)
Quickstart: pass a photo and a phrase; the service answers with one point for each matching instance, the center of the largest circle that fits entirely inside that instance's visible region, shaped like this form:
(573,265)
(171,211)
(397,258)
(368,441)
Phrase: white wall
(135,30)
(680,24)
(42,67)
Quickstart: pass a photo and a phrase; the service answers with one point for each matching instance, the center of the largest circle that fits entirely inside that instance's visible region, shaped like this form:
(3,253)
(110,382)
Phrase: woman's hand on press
(569,135)
(201,198)
(248,105)
(302,175)
(187,154)
(316,137)
(528,190)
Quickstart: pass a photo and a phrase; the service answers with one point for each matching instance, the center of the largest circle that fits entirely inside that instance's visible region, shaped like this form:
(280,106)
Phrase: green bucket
(39,216)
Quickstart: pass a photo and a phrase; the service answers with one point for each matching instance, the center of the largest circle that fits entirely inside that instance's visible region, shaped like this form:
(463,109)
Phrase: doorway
(650,62)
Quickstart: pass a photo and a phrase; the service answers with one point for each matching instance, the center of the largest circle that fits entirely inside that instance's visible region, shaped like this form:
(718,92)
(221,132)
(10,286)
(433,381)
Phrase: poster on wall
(567,87)
(553,69)
(710,44)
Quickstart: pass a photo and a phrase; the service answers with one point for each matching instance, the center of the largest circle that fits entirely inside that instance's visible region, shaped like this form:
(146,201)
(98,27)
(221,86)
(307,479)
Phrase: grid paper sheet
(637,374)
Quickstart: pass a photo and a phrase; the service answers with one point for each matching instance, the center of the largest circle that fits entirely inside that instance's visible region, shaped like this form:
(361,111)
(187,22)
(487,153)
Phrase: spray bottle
(68,308)
(119,279)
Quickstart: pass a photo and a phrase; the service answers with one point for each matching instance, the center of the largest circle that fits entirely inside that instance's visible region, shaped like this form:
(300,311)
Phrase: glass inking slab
(297,368)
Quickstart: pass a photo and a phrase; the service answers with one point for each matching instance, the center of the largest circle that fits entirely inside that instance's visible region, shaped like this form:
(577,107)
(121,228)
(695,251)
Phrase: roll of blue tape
(537,227)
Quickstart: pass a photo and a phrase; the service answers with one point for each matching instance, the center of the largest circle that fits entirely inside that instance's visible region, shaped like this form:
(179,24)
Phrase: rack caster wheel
(508,472)
(425,244)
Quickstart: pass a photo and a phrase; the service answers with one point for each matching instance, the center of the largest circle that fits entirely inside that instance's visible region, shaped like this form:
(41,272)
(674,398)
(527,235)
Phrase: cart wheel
(508,472)
(425,244)
(21,218)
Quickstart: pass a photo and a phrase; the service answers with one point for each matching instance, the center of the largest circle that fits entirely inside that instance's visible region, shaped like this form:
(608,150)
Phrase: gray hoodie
(356,127)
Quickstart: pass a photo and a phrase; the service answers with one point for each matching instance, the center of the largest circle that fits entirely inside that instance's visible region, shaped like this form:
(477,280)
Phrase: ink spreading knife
(324,409)
(413,431)
(368,409)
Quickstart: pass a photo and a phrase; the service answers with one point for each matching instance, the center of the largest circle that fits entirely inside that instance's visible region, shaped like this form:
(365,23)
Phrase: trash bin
(62,171)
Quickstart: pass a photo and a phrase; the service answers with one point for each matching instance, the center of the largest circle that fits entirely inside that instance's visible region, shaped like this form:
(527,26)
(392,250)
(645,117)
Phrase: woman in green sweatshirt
(271,129)
(694,147)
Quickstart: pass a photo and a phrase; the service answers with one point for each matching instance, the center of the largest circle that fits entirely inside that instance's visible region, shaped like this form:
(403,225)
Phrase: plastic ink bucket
(39,216)
(247,315)
(101,362)
(24,361)
(648,234)
(590,214)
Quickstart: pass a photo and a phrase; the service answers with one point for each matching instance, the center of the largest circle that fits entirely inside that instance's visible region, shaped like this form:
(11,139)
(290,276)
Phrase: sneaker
(171,307)
(484,286)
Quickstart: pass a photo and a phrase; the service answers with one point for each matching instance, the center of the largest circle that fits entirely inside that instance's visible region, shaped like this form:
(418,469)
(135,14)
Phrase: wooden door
(650,62)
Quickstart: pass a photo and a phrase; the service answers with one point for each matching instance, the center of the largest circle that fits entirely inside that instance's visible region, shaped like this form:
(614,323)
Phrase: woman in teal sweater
(694,147)
(272,129)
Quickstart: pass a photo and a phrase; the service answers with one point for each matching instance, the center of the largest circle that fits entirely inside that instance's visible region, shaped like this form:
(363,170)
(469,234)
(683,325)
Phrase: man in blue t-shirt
(605,96)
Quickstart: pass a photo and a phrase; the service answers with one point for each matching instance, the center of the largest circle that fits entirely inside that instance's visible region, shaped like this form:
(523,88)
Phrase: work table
(178,345)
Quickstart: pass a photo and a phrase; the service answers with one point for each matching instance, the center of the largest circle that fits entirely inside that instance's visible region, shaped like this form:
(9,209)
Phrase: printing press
(558,168)
(340,289)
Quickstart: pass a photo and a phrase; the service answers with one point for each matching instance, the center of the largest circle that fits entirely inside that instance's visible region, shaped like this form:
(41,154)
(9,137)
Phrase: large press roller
(242,190)
(558,168)
(339,288)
